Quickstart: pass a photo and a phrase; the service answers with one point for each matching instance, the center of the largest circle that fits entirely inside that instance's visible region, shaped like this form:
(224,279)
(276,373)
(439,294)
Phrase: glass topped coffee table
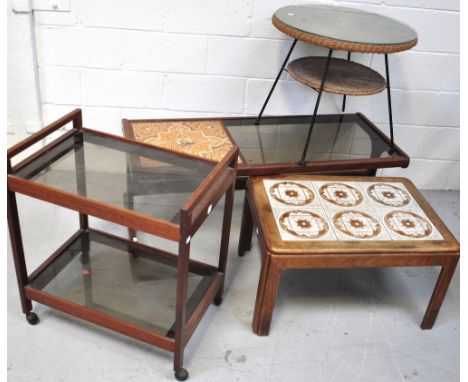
(143,292)
(341,143)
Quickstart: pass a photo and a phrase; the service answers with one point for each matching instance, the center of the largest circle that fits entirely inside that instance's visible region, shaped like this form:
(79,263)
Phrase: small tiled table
(344,222)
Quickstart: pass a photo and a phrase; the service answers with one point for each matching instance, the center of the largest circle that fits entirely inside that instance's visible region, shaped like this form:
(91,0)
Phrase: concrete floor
(329,325)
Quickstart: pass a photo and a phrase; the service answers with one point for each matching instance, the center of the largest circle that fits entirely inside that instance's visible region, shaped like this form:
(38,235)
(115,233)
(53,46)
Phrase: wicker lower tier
(344,77)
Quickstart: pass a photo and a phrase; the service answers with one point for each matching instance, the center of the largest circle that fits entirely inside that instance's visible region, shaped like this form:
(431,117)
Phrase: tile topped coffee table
(344,222)
(347,142)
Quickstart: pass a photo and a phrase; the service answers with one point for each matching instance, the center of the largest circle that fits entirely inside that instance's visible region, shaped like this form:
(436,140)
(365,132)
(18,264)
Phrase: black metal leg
(317,103)
(337,133)
(389,100)
(344,96)
(274,83)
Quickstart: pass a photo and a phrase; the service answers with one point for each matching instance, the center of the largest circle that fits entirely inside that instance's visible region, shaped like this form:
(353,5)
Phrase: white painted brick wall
(210,93)
(190,58)
(236,56)
(23,107)
(122,88)
(162,52)
(60,85)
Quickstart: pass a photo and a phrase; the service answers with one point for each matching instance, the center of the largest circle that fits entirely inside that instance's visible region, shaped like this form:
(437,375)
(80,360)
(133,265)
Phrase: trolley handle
(74,116)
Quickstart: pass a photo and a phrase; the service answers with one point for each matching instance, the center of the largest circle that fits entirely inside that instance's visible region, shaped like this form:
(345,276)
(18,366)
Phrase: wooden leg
(266,296)
(438,295)
(129,204)
(181,299)
(227,218)
(246,231)
(18,251)
(86,271)
(84,221)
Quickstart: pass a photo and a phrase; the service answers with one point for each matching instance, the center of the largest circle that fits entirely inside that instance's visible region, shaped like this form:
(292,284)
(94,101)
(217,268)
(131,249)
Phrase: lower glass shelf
(130,282)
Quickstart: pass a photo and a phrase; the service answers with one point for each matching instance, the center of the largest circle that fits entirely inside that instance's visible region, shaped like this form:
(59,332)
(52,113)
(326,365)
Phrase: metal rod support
(317,103)
(344,96)
(389,100)
(276,81)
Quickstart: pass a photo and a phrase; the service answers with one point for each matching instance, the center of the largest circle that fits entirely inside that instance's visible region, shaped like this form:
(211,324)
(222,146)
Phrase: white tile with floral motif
(347,210)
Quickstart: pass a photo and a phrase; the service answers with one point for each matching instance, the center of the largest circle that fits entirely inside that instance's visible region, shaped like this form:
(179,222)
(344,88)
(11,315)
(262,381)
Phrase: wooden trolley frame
(219,182)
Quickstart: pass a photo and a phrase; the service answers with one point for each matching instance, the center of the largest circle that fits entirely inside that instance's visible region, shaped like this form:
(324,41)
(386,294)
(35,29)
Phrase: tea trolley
(143,292)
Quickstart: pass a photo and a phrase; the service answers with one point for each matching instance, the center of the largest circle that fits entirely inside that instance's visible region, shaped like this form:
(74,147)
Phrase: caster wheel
(32,318)
(217,300)
(181,375)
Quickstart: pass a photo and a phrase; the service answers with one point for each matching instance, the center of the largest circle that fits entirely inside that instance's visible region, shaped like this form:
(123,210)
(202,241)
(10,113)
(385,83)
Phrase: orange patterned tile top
(206,139)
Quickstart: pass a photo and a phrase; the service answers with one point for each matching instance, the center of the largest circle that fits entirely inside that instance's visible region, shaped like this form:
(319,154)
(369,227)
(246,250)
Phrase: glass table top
(100,273)
(110,170)
(282,140)
(345,24)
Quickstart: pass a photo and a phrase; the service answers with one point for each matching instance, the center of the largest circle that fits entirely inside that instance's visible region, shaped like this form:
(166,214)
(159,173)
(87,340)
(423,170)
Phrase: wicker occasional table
(143,292)
(345,222)
(339,28)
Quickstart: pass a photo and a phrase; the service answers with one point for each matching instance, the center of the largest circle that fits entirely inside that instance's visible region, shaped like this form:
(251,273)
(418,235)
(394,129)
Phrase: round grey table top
(342,24)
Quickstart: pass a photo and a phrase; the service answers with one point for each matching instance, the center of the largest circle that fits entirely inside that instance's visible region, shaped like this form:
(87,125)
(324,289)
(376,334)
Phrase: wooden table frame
(276,256)
(219,182)
(362,166)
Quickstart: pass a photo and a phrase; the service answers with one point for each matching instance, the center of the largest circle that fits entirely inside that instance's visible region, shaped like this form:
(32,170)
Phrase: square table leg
(438,295)
(181,303)
(246,231)
(266,296)
(18,251)
(223,252)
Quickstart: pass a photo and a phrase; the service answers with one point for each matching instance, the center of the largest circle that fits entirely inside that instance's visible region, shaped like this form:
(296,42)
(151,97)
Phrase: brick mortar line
(380,124)
(207,36)
(120,108)
(213,75)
